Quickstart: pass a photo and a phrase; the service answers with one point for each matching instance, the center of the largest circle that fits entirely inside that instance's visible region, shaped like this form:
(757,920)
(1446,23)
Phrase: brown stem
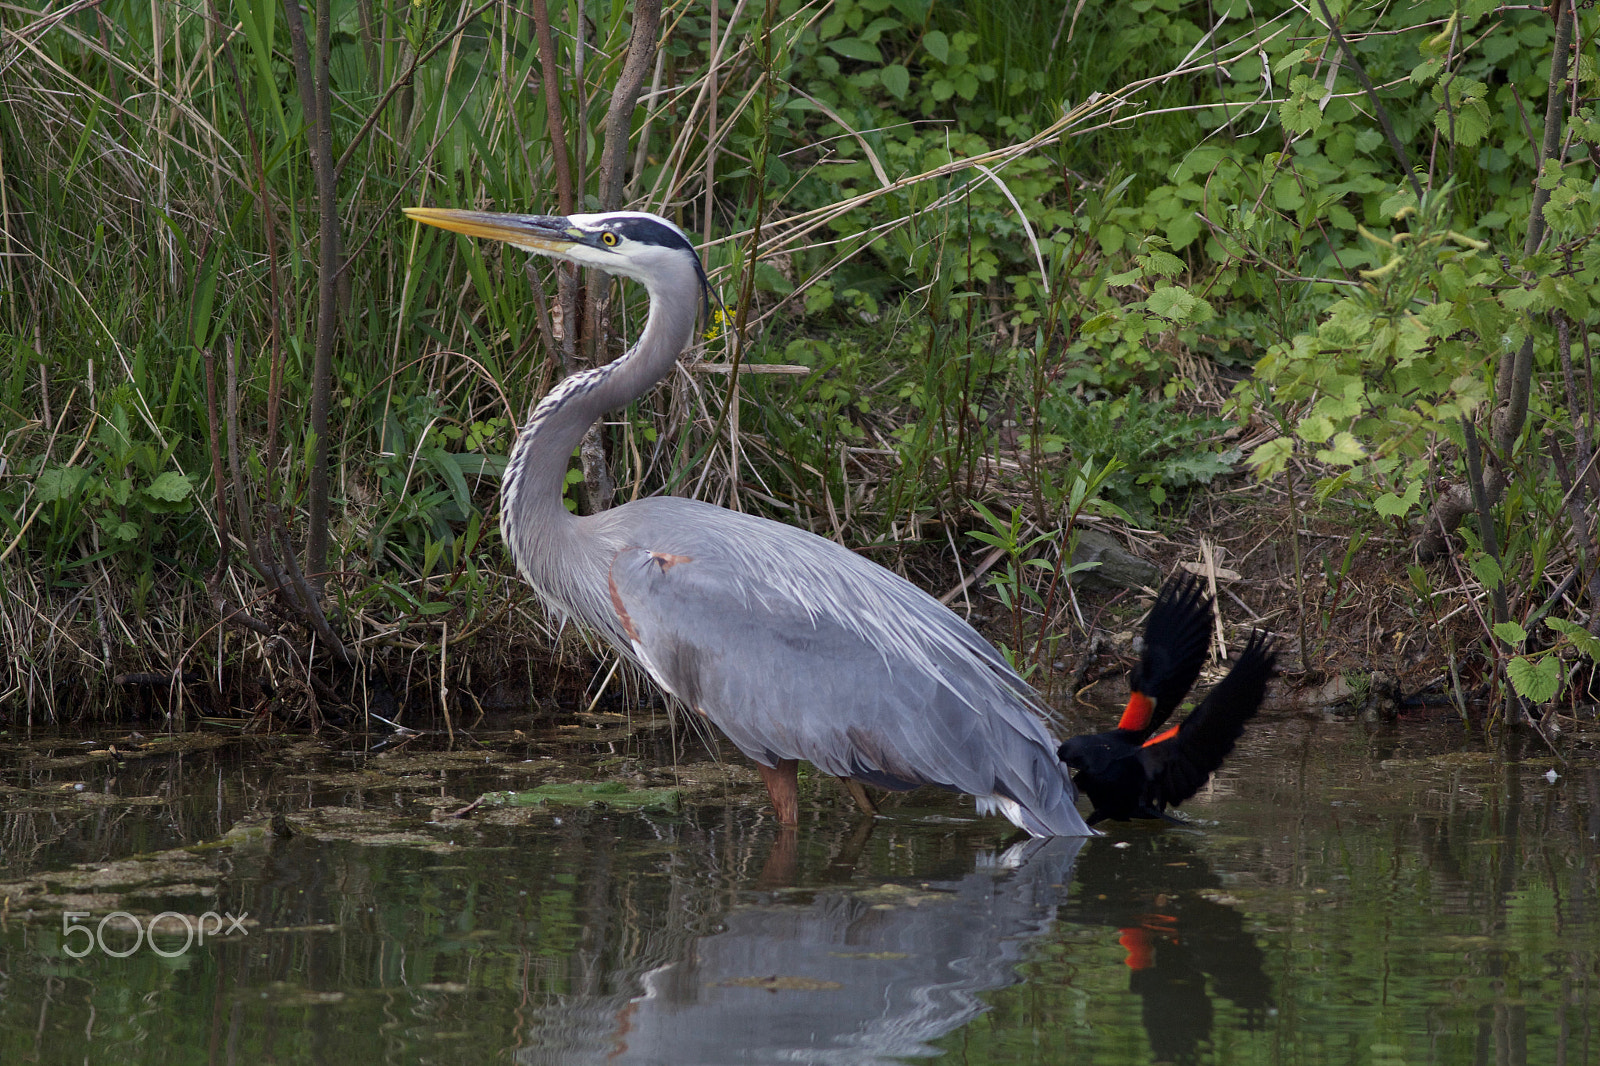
(1487,535)
(1578,515)
(624,98)
(711,123)
(297,591)
(1516,375)
(592,451)
(241,494)
(599,485)
(1299,571)
(224,538)
(556,132)
(1354,66)
(1555,102)
(315,102)
(1582,448)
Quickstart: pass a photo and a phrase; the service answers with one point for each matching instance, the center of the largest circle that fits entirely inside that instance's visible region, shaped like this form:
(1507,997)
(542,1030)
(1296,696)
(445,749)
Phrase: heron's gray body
(837,660)
(793,646)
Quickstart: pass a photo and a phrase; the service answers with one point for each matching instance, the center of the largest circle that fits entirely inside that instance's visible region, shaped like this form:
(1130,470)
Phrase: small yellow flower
(721,321)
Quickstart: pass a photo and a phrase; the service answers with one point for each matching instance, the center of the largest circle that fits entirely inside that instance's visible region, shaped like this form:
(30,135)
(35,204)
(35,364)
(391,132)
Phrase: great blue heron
(794,646)
(1134,772)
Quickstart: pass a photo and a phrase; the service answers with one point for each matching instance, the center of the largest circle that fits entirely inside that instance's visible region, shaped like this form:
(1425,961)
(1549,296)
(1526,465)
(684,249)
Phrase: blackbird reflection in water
(1184,941)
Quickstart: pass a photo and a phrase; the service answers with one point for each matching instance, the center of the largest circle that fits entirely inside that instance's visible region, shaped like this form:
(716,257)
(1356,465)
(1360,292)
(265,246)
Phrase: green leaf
(170,486)
(1425,71)
(448,468)
(1467,126)
(477,464)
(1178,304)
(1346,404)
(1111,238)
(1182,230)
(878,27)
(1170,302)
(1299,112)
(1368,140)
(1272,458)
(1346,451)
(1398,201)
(1103,320)
(856,48)
(1581,638)
(1535,681)
(1314,429)
(1487,571)
(59,483)
(1162,263)
(896,79)
(200,308)
(1391,506)
(1510,632)
(937,45)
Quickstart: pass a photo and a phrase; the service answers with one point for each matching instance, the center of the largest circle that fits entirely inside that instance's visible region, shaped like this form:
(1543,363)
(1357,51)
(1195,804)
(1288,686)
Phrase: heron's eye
(608,239)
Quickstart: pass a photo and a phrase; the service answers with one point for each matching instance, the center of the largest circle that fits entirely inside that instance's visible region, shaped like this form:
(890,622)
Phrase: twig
(1382,113)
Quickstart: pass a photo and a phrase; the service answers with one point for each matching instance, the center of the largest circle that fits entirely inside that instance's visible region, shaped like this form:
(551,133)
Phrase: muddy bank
(1355,636)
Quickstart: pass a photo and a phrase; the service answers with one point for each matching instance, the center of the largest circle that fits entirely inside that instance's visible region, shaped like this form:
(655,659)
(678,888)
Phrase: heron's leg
(783,785)
(858,792)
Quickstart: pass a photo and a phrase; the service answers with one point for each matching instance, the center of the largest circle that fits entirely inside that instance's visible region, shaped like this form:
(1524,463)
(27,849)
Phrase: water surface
(1343,897)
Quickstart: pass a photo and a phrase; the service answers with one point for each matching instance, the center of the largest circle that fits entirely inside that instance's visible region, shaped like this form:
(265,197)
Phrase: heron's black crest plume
(649,231)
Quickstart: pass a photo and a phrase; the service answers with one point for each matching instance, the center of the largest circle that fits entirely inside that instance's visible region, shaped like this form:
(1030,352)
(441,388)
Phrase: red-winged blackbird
(1134,772)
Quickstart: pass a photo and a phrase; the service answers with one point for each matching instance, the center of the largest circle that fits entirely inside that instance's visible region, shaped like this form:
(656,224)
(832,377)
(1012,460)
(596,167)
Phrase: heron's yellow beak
(536,233)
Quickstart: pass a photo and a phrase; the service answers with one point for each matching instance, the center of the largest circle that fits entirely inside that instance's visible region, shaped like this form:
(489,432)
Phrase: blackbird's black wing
(1177,635)
(1176,767)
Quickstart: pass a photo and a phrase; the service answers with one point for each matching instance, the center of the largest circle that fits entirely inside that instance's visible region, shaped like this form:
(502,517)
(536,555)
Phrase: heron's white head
(634,244)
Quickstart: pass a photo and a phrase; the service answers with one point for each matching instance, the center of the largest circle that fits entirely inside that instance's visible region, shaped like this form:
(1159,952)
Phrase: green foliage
(1398,361)
(1581,638)
(1535,680)
(121,491)
(1042,313)
(1157,447)
(1029,582)
(1011,584)
(425,485)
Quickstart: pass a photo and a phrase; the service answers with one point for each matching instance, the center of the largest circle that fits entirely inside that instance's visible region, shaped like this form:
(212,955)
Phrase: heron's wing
(799,649)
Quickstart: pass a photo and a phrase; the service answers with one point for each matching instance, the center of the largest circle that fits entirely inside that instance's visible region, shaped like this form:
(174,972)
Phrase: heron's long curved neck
(536,475)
